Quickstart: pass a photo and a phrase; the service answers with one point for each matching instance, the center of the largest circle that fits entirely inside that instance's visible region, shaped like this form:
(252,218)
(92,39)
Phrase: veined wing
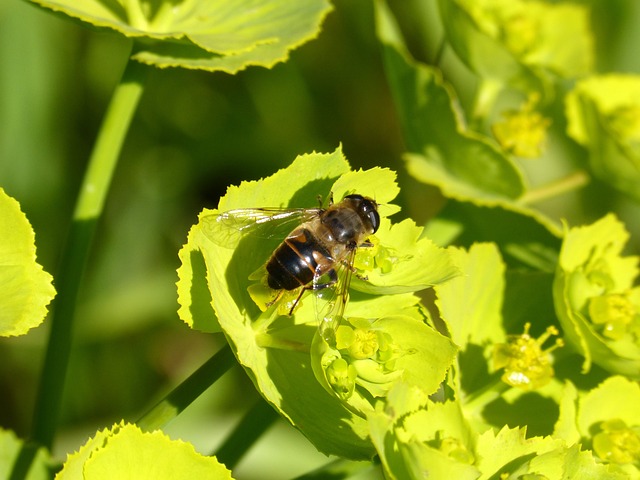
(228,227)
(332,300)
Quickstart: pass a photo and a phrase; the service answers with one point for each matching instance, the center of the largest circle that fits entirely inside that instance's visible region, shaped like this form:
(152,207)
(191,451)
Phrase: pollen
(365,344)
(526,364)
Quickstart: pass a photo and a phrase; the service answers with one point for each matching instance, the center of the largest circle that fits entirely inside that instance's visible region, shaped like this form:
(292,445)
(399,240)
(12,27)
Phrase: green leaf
(614,402)
(417,263)
(509,450)
(565,463)
(518,42)
(477,319)
(567,427)
(399,348)
(415,437)
(15,451)
(582,464)
(379,182)
(464,164)
(26,287)
(125,451)
(224,36)
(275,350)
(592,271)
(615,398)
(604,116)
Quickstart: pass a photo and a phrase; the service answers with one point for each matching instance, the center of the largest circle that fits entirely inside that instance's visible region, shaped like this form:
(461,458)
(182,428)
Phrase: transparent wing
(227,228)
(332,300)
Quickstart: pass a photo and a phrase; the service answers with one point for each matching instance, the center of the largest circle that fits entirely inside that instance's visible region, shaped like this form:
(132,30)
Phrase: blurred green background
(194,134)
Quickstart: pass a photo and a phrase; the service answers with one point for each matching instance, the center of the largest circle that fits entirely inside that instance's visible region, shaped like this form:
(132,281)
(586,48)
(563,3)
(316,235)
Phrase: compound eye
(370,209)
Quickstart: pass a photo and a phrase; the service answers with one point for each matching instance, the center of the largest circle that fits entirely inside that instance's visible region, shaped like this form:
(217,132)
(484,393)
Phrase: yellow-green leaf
(126,452)
(26,288)
(517,41)
(604,116)
(275,350)
(222,35)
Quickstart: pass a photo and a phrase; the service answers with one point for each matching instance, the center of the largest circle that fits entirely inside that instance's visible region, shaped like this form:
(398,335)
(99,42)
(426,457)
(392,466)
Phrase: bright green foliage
(520,42)
(515,456)
(464,164)
(596,302)
(604,116)
(443,150)
(449,360)
(397,253)
(478,318)
(26,288)
(10,448)
(275,348)
(481,326)
(371,356)
(124,451)
(226,36)
(606,419)
(416,438)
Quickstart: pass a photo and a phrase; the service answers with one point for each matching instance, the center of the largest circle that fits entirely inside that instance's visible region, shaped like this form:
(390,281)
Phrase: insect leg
(275,299)
(333,278)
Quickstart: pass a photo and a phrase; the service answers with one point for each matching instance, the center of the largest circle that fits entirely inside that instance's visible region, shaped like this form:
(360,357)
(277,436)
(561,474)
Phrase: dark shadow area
(569,367)
(538,413)
(474,371)
(202,313)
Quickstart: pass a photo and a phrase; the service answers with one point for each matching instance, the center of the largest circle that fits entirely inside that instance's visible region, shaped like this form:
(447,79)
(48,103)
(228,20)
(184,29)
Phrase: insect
(316,255)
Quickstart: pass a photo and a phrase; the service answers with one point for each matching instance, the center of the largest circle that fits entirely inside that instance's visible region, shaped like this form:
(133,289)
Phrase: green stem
(571,182)
(88,209)
(342,468)
(254,423)
(135,14)
(185,393)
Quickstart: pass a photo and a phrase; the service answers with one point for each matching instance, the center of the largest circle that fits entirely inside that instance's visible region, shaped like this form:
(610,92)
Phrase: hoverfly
(316,255)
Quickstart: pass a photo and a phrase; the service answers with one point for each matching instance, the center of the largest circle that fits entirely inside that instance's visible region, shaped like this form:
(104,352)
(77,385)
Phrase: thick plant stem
(185,393)
(89,205)
(255,422)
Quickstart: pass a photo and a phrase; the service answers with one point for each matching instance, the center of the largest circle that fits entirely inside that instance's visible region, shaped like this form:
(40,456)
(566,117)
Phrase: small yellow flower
(522,132)
(615,313)
(617,443)
(520,33)
(526,365)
